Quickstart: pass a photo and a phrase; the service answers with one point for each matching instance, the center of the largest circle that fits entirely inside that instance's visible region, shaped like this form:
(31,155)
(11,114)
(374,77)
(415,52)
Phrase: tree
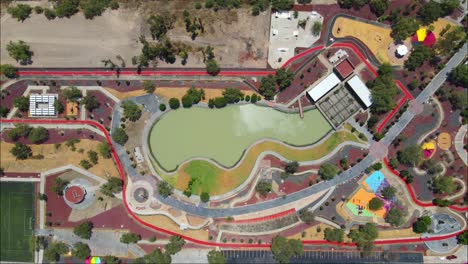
(281,5)
(110,259)
(449,43)
(394,163)
(364,237)
(149,87)
(448,6)
(383,91)
(66,8)
(195,94)
(375,204)
(328,171)
(174,103)
(9,71)
(131,110)
(162,107)
(119,136)
(443,184)
(388,192)
(104,150)
(22,103)
(378,7)
(83,230)
(20,130)
(430,12)
(212,67)
(291,167)
(93,156)
(50,14)
(81,250)
(155,257)
(112,186)
(284,78)
(54,250)
(160,24)
(316,28)
(306,216)
(92,8)
(59,185)
(204,197)
(463,238)
(422,225)
(263,187)
(268,87)
(458,99)
(418,56)
(395,216)
(232,95)
(441,202)
(21,151)
(72,94)
(130,238)
(186,101)
(175,245)
(432,167)
(334,235)
(459,75)
(283,249)
(90,102)
(164,189)
(411,155)
(4,111)
(21,12)
(38,135)
(216,257)
(59,108)
(404,28)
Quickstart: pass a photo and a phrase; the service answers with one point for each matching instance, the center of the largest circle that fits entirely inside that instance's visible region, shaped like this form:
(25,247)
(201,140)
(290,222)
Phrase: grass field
(16,221)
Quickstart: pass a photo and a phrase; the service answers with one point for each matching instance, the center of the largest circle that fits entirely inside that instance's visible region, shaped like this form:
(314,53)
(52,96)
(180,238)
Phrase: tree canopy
(334,235)
(59,185)
(104,150)
(130,238)
(404,28)
(283,249)
(284,78)
(417,57)
(395,216)
(212,67)
(375,204)
(160,24)
(175,245)
(90,102)
(282,4)
(411,155)
(155,257)
(268,87)
(443,184)
(451,41)
(291,167)
(81,250)
(422,225)
(164,189)
(120,136)
(22,103)
(328,171)
(54,250)
(110,259)
(364,237)
(66,8)
(9,71)
(112,186)
(149,86)
(388,192)
(131,110)
(72,94)
(19,51)
(21,11)
(263,187)
(378,7)
(459,75)
(174,103)
(232,95)
(216,257)
(306,216)
(463,238)
(21,151)
(38,135)
(84,230)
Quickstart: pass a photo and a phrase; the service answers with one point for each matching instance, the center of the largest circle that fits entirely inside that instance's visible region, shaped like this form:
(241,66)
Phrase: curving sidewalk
(459,144)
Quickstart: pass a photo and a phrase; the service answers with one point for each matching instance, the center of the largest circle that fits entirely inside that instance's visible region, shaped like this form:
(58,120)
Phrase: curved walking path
(459,144)
(339,179)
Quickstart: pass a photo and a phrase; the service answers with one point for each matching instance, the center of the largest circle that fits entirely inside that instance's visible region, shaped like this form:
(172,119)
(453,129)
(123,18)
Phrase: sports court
(16,221)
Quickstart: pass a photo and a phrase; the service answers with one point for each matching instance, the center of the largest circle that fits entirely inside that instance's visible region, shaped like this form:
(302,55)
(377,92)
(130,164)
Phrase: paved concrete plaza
(286,35)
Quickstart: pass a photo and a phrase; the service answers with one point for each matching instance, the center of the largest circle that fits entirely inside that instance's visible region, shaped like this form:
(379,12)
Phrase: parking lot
(234,256)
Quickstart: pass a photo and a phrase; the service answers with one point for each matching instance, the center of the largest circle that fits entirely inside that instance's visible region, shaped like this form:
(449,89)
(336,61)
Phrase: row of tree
(271,83)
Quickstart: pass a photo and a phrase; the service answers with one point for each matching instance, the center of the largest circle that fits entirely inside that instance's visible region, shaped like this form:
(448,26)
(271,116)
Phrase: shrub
(162,107)
(174,103)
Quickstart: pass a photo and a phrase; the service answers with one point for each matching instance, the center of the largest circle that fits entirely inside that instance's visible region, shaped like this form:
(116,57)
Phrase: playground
(370,188)
(17,221)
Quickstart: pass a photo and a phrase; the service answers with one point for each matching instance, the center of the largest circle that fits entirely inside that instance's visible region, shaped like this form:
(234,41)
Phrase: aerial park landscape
(247,156)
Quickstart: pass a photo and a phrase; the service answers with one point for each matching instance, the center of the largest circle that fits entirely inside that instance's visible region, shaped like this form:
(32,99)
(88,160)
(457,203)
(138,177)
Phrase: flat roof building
(326,85)
(361,90)
(344,68)
(42,105)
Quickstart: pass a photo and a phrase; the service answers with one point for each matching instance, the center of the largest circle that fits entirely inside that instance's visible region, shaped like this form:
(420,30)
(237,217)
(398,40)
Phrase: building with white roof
(326,85)
(42,105)
(361,90)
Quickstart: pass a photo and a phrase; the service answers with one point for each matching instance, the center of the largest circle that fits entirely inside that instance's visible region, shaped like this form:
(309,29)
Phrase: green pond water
(223,134)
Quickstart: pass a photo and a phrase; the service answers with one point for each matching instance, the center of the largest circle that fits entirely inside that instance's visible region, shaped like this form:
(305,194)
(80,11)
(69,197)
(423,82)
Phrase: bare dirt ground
(74,42)
(238,38)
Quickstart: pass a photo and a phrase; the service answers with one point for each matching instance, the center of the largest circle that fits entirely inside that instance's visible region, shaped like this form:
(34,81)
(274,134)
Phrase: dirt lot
(79,42)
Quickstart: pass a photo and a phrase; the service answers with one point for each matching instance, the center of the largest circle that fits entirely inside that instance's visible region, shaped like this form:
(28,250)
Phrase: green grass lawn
(206,175)
(16,221)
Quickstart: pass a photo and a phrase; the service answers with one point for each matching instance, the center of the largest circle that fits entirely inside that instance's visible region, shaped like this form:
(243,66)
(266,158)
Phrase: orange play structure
(362,198)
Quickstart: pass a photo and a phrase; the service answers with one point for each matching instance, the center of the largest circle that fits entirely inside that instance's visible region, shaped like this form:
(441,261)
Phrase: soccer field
(16,221)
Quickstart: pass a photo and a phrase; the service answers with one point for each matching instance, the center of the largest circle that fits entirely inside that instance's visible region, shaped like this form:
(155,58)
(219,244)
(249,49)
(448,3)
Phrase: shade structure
(402,50)
(430,40)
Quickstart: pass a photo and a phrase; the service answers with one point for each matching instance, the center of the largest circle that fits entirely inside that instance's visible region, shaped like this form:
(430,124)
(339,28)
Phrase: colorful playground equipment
(444,141)
(429,149)
(370,188)
(93,260)
(423,37)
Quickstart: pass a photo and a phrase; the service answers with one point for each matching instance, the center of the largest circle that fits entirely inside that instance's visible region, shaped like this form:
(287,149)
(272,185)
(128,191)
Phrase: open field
(226,180)
(80,42)
(75,42)
(16,221)
(237,127)
(56,158)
